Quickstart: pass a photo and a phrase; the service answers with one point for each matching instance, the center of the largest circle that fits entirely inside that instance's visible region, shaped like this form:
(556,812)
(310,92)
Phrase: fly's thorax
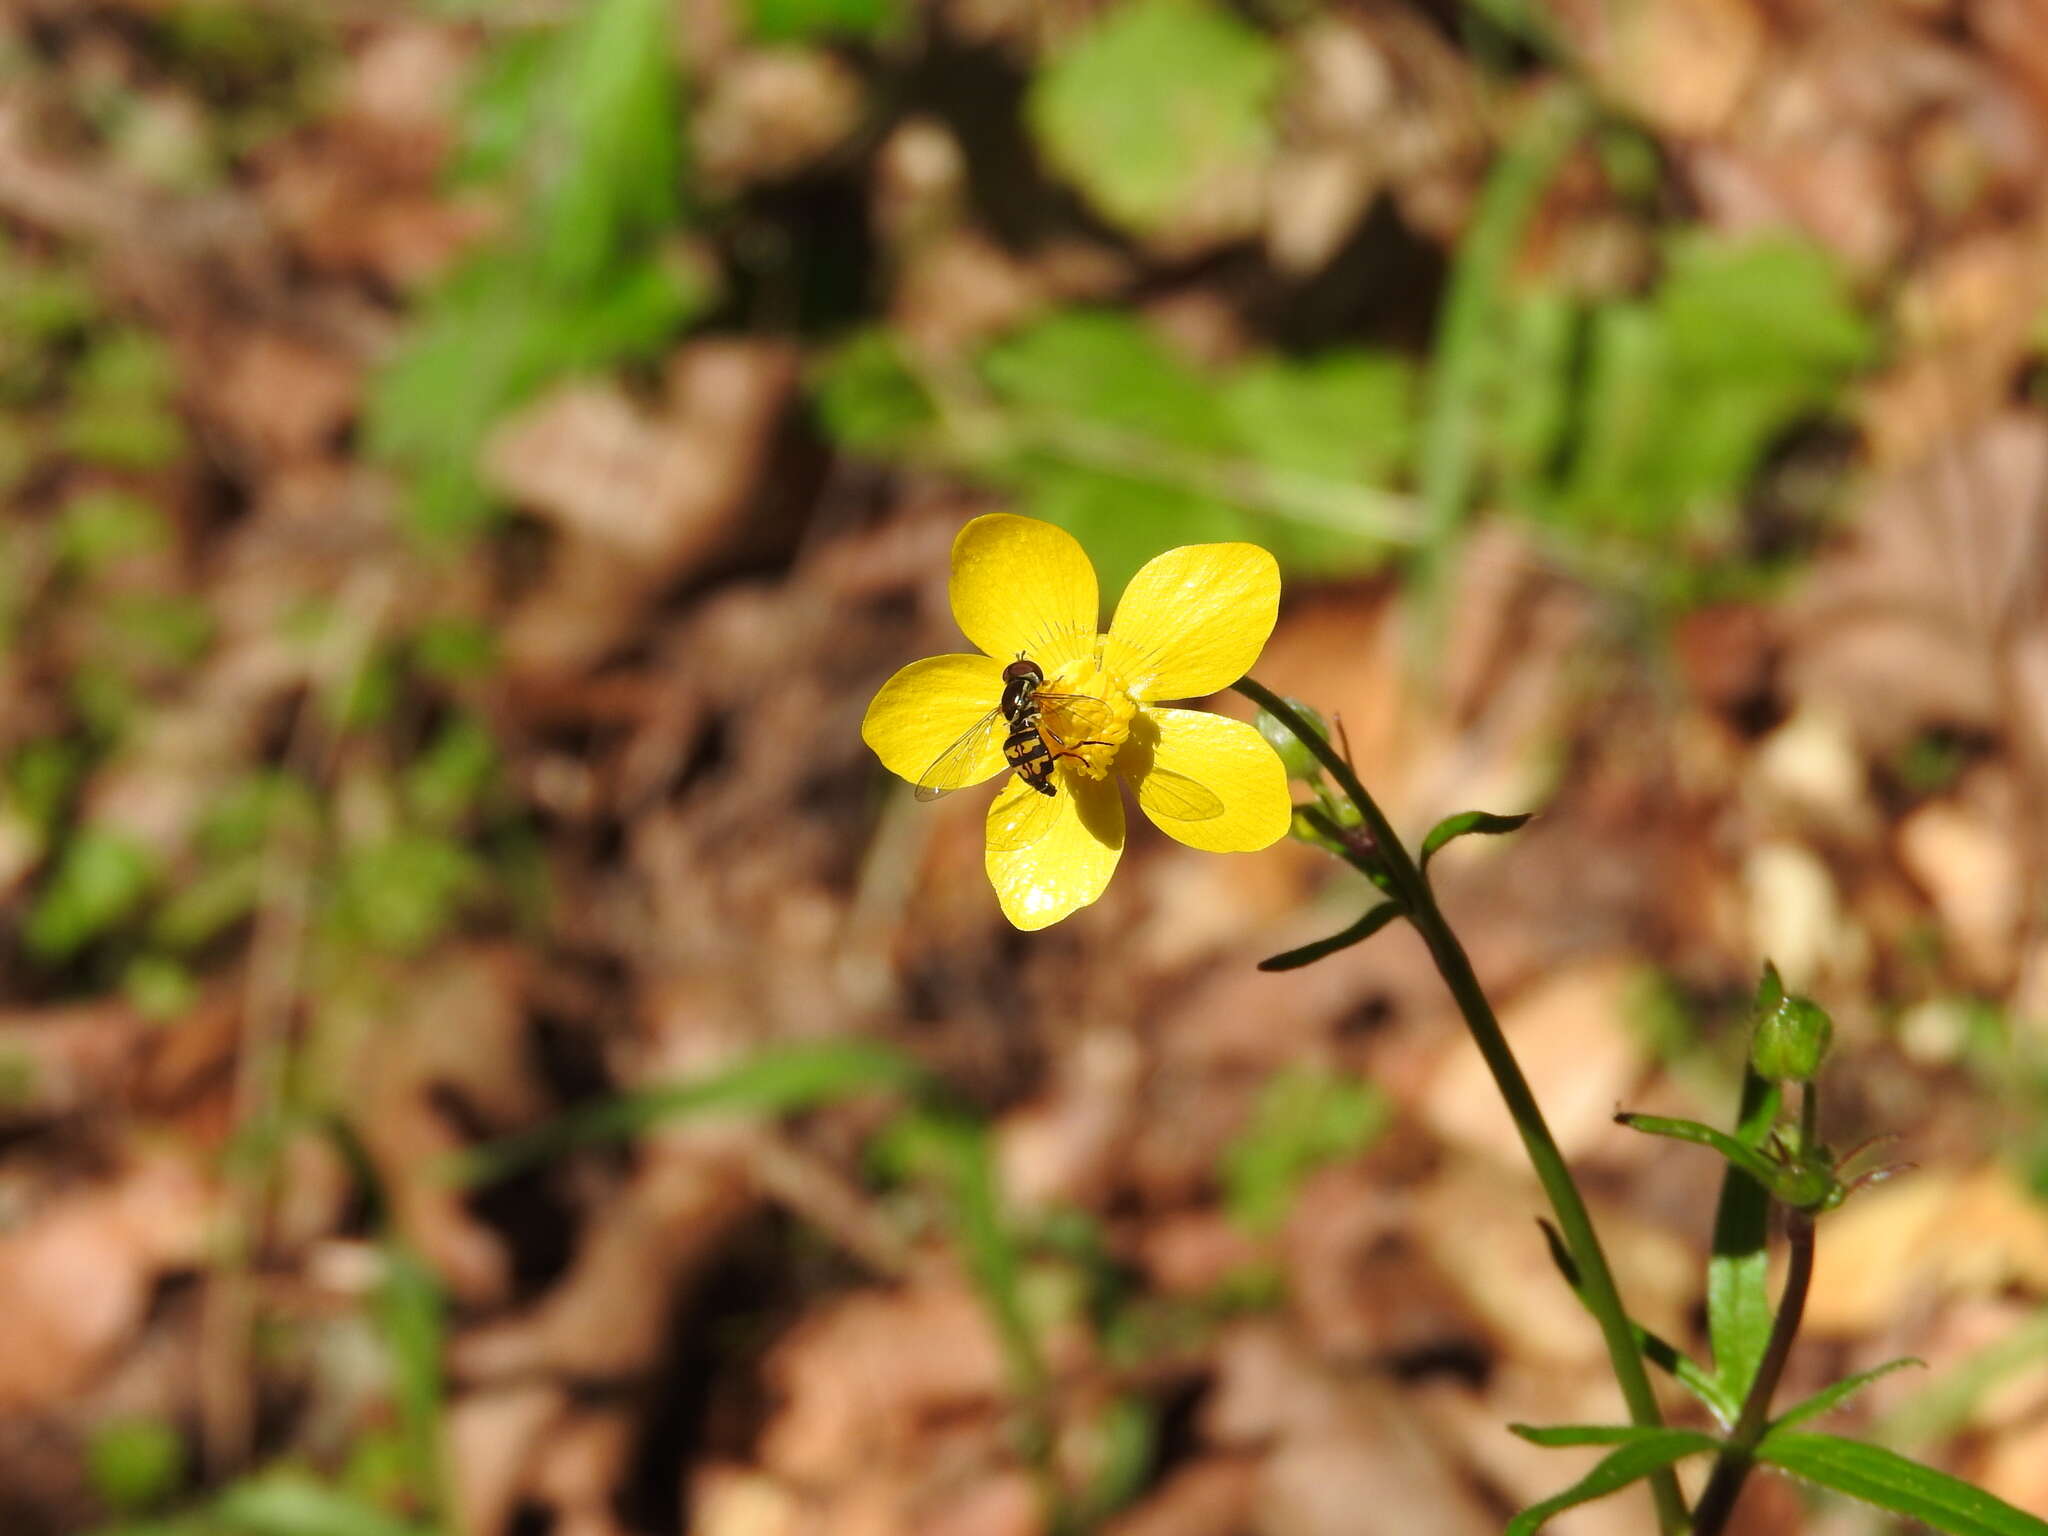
(1089,732)
(1022,679)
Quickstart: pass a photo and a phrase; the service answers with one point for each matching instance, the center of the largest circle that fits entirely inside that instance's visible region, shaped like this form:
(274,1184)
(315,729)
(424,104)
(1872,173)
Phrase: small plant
(1770,1165)
(1023,586)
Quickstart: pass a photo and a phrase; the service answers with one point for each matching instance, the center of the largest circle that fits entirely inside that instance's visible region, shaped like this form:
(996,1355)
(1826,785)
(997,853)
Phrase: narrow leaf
(1465,822)
(1832,1397)
(1738,1297)
(1656,1349)
(1748,1159)
(1655,1451)
(1584,1434)
(411,1312)
(1368,925)
(774,1082)
(292,1504)
(1468,328)
(954,1150)
(1888,1480)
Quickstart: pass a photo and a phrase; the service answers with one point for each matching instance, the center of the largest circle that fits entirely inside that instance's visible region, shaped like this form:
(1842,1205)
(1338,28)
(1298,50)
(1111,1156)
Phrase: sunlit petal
(1227,758)
(924,709)
(1069,865)
(1021,586)
(1194,620)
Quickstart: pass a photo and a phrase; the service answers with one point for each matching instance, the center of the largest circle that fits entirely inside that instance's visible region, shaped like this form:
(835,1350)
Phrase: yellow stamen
(1088,737)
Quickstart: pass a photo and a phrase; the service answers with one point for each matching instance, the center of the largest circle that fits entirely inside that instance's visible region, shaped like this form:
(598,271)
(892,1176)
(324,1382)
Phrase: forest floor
(426,714)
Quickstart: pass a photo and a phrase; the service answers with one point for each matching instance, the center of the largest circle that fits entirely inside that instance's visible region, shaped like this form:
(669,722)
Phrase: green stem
(1724,1485)
(1407,886)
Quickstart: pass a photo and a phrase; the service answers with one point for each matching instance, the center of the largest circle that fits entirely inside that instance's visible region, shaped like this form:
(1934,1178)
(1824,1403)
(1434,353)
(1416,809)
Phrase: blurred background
(483,1046)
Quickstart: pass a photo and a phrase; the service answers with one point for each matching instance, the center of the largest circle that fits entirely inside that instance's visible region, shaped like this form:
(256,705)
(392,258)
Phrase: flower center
(1091,727)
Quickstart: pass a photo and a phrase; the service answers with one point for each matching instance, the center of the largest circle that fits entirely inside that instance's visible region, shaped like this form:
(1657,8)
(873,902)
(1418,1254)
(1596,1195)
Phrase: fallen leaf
(76,1281)
(1572,1035)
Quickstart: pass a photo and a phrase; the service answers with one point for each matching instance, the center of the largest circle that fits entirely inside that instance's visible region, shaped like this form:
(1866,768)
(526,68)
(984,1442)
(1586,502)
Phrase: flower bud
(1301,763)
(1791,1038)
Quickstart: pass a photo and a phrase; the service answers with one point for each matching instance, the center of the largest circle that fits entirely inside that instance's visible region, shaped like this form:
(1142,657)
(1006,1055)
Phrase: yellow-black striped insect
(1044,727)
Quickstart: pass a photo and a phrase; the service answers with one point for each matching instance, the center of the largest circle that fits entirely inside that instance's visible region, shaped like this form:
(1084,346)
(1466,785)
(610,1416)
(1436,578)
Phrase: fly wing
(964,762)
(1072,718)
(1019,817)
(1176,797)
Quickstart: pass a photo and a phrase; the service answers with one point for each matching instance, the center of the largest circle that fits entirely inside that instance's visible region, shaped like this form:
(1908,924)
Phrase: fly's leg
(1062,749)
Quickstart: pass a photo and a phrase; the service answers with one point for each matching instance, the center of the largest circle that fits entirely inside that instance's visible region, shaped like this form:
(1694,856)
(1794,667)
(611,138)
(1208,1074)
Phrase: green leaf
(292,1504)
(1649,1450)
(1831,1397)
(955,1150)
(1109,368)
(497,108)
(445,784)
(215,897)
(1304,1119)
(119,413)
(159,987)
(1888,1480)
(775,1081)
(159,629)
(1153,103)
(1374,920)
(582,281)
(1554,1435)
(1736,1154)
(455,650)
(402,893)
(411,1311)
(491,336)
(1121,1449)
(798,21)
(135,1464)
(1345,415)
(1469,357)
(1659,1351)
(100,880)
(1467,822)
(40,779)
(1104,430)
(1684,391)
(611,129)
(103,526)
(1738,1295)
(868,398)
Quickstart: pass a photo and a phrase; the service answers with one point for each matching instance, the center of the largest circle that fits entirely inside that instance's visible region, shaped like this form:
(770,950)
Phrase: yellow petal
(1194,620)
(1021,586)
(1226,758)
(1066,868)
(925,709)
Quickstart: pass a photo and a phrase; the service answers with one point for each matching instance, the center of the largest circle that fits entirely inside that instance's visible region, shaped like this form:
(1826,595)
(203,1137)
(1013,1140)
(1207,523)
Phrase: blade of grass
(776,1081)
(1453,396)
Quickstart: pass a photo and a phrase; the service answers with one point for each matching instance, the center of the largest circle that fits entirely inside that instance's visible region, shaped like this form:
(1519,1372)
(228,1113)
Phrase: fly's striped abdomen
(1027,752)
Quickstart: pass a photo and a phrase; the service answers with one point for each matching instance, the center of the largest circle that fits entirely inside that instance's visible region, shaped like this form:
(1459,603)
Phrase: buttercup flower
(1193,621)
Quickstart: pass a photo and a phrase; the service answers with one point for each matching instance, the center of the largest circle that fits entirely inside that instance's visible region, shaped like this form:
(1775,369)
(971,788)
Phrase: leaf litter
(418,726)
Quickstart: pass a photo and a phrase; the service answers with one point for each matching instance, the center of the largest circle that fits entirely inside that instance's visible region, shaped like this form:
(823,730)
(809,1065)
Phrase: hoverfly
(1034,744)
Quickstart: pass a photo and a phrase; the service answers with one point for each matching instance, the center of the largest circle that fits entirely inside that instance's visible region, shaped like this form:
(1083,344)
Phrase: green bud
(1304,829)
(1791,1038)
(1301,763)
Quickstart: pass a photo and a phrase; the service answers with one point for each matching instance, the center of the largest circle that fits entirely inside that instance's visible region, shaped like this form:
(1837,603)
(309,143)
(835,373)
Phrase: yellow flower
(1192,622)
